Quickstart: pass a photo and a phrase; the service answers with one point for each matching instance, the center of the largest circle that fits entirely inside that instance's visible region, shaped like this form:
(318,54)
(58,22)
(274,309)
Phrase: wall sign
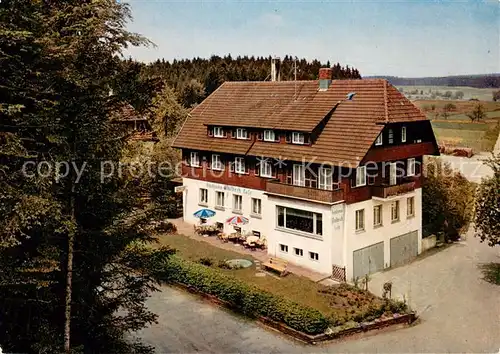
(337,217)
(227,188)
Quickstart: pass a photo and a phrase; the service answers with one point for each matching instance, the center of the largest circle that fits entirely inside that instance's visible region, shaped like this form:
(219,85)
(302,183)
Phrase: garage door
(404,248)
(368,260)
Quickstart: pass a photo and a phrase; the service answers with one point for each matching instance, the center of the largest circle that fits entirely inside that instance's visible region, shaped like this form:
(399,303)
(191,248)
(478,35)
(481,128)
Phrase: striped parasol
(237,220)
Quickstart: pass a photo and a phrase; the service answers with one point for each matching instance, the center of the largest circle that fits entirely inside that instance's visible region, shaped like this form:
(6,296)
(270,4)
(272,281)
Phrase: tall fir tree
(74,271)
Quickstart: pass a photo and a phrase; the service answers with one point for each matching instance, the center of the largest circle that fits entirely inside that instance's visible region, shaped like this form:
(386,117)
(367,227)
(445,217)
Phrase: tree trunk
(69,279)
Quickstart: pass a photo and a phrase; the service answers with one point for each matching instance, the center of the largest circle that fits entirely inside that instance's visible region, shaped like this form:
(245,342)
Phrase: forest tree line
(192,80)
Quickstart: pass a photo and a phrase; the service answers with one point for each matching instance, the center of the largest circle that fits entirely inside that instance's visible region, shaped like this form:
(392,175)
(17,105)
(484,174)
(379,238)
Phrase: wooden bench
(277,264)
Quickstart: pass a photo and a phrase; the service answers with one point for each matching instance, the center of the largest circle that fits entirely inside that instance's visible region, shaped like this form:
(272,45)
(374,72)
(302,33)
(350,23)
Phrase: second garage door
(404,248)
(368,260)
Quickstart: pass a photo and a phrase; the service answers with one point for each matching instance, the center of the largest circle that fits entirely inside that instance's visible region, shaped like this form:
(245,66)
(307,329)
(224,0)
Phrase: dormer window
(403,134)
(241,133)
(218,132)
(379,140)
(269,135)
(297,138)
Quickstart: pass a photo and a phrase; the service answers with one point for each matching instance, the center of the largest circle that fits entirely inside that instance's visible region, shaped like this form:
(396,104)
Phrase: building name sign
(224,187)
(337,217)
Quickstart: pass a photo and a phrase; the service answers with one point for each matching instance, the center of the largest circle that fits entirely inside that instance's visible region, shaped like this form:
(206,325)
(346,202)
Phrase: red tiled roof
(299,106)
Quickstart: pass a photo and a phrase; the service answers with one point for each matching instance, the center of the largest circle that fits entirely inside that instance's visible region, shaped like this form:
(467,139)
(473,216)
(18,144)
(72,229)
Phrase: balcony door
(325,178)
(392,173)
(299,176)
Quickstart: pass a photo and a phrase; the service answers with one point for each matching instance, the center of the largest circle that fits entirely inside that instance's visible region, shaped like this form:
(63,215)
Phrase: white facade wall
(339,237)
(191,200)
(371,235)
(322,245)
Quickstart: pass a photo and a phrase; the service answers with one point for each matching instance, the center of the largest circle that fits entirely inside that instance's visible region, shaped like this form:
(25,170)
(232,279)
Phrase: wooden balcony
(306,193)
(386,191)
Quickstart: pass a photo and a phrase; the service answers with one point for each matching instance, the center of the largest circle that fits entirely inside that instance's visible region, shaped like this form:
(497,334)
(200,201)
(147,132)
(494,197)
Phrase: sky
(401,38)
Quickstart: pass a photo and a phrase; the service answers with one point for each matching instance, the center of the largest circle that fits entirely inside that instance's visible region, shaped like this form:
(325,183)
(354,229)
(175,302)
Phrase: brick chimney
(325,78)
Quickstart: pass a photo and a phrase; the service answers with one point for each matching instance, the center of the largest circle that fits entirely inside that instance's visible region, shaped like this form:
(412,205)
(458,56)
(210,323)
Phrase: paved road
(459,313)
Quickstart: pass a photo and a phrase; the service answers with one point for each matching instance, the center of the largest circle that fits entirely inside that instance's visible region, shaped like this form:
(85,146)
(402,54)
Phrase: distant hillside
(479,81)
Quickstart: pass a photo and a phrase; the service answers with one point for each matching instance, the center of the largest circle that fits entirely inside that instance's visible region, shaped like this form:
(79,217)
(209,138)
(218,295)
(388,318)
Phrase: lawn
(478,136)
(339,302)
(458,130)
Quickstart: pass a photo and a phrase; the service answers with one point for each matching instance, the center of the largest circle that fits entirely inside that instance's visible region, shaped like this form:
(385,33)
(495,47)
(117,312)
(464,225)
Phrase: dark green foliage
(55,73)
(194,79)
(206,261)
(448,199)
(487,219)
(245,298)
(491,272)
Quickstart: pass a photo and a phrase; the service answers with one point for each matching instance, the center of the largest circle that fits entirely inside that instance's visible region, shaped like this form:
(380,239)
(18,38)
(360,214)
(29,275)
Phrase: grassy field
(341,302)
(426,92)
(457,129)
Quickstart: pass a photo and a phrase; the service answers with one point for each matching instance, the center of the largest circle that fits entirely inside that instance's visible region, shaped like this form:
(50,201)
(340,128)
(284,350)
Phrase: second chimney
(325,78)
(275,69)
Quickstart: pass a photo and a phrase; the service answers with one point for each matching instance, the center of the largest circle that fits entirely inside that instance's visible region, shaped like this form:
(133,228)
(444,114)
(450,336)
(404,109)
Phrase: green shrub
(206,261)
(247,299)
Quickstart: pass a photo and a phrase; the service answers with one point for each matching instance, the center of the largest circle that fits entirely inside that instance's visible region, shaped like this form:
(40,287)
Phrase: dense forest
(478,81)
(194,79)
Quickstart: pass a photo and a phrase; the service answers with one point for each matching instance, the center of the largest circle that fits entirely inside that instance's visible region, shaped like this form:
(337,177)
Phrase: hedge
(245,298)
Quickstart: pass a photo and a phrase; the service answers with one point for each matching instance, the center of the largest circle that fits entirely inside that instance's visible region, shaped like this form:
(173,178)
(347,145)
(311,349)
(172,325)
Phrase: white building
(327,172)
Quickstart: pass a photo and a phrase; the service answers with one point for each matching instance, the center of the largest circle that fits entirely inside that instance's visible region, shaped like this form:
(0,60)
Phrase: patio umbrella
(204,213)
(237,220)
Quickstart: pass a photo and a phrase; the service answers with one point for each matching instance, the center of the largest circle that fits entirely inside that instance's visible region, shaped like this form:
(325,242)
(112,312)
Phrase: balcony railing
(315,194)
(385,191)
